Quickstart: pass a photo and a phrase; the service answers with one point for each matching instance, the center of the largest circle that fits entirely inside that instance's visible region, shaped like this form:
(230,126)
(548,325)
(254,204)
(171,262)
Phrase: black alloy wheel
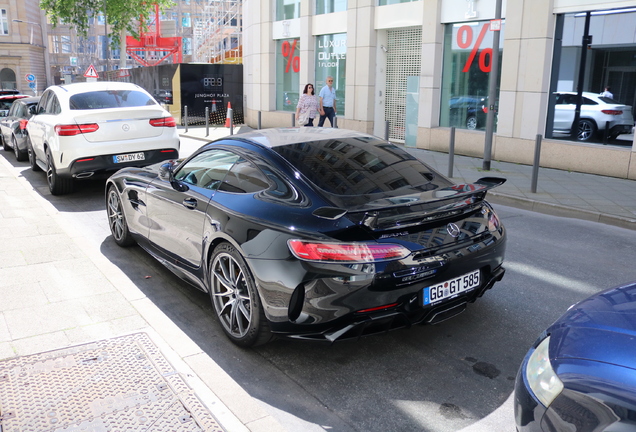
(587,129)
(235,298)
(19,155)
(57,185)
(117,219)
(32,162)
(471,123)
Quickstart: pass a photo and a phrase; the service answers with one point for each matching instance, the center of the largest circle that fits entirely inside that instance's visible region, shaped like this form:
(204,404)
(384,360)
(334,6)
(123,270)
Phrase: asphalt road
(455,376)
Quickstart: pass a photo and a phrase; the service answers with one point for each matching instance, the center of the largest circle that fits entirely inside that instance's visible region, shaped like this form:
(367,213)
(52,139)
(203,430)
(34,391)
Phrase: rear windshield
(110,99)
(359,166)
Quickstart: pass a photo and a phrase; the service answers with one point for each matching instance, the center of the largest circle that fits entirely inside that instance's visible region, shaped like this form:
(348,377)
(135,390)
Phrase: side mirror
(33,109)
(166,173)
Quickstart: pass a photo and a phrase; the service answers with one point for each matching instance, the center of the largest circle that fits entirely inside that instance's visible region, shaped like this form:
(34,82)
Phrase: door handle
(190,203)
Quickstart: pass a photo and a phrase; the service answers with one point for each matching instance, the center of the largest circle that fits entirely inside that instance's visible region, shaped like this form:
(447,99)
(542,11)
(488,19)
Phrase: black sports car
(313,233)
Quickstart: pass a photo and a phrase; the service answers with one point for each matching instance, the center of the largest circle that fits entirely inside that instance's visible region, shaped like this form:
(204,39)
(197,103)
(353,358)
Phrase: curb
(560,210)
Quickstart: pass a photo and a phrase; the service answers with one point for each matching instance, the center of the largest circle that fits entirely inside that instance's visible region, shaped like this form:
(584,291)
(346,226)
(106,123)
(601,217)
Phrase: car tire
(117,219)
(31,154)
(471,123)
(57,185)
(20,156)
(235,298)
(586,131)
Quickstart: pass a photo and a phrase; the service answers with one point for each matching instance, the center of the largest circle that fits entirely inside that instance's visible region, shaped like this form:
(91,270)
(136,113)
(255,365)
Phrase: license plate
(130,157)
(451,288)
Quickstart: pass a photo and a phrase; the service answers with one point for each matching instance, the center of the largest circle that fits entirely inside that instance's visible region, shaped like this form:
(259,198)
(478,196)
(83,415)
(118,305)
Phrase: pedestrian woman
(307,106)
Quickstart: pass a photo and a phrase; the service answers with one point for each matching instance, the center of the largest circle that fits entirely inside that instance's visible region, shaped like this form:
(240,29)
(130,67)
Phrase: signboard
(30,78)
(123,73)
(91,72)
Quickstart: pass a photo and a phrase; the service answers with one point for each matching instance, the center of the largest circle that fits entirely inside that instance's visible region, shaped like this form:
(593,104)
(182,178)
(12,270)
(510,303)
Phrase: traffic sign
(32,85)
(30,78)
(91,72)
(123,73)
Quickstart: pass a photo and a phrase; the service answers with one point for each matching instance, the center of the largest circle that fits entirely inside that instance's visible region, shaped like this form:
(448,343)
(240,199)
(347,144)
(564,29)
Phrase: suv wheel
(57,185)
(587,128)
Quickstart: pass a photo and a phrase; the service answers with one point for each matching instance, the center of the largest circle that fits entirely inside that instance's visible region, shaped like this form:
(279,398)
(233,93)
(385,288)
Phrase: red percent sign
(465,40)
(292,60)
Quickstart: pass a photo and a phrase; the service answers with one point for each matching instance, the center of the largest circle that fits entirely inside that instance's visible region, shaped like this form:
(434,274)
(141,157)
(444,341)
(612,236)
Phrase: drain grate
(119,384)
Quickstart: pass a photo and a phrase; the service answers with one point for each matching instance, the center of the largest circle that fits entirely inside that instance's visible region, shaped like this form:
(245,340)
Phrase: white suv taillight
(75,129)
(346,252)
(163,122)
(612,112)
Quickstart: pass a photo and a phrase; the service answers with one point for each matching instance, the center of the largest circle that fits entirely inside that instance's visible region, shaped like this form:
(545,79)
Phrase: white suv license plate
(451,288)
(130,157)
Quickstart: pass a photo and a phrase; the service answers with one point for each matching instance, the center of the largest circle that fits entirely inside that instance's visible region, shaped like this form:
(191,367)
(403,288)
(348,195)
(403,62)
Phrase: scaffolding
(217,34)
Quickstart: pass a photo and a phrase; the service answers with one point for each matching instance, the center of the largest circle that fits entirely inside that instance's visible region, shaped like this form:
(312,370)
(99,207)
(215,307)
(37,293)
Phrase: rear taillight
(163,122)
(612,112)
(346,252)
(23,123)
(75,129)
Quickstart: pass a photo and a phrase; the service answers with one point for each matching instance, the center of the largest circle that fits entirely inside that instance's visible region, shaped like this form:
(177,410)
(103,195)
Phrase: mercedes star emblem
(452,229)
(125,127)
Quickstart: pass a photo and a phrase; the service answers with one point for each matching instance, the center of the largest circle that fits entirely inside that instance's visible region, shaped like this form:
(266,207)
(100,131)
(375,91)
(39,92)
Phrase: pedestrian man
(607,93)
(327,98)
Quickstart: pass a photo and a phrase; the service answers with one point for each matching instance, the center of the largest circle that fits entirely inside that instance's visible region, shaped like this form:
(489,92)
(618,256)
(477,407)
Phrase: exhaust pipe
(84,175)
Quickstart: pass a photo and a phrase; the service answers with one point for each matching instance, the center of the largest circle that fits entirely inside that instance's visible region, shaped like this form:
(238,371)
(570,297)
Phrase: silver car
(597,114)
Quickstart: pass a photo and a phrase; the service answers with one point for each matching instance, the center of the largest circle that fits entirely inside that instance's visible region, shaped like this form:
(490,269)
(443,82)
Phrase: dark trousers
(329,113)
(310,123)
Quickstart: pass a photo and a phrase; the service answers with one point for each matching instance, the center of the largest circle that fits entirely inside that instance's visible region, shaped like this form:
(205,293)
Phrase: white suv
(597,113)
(84,130)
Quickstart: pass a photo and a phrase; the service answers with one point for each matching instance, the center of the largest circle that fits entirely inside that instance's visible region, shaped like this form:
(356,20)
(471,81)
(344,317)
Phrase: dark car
(313,233)
(13,131)
(7,100)
(580,375)
(468,111)
(163,96)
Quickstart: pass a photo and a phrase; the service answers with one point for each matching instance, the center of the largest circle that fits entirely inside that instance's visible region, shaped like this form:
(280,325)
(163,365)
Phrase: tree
(120,14)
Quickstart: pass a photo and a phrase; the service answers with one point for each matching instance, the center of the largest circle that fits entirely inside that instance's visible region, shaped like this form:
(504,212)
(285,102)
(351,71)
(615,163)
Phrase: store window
(287,9)
(186,20)
(331,60)
(467,64)
(607,59)
(288,85)
(330,6)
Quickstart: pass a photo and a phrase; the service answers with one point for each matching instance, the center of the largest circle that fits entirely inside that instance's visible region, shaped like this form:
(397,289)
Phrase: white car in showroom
(597,113)
(92,129)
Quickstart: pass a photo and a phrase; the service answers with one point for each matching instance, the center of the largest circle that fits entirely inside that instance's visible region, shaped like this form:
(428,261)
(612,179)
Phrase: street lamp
(44,53)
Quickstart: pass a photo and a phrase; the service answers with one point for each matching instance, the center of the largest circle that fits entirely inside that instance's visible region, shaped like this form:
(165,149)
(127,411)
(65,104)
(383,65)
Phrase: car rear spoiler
(438,204)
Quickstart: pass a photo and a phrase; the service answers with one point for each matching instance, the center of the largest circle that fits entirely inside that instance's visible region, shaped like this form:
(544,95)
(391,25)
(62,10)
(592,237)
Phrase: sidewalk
(560,193)
(83,348)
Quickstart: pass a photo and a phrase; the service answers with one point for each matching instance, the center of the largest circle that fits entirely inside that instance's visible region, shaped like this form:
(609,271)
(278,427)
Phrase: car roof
(32,99)
(82,87)
(276,137)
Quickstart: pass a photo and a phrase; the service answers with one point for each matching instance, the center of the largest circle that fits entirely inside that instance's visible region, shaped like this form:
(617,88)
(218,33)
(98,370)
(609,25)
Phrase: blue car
(580,375)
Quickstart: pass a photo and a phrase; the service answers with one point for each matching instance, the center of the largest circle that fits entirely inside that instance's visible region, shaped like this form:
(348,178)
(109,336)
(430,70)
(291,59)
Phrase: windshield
(110,99)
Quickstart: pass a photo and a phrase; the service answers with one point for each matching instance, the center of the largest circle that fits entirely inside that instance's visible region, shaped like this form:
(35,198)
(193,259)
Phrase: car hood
(601,328)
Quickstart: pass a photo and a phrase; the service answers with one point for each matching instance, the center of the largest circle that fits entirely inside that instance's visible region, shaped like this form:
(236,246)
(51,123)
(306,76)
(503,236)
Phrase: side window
(53,105)
(41,109)
(244,177)
(586,101)
(14,110)
(207,169)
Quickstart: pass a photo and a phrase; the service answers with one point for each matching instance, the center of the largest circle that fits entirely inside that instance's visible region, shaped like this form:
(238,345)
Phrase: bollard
(207,121)
(535,166)
(259,121)
(335,121)
(451,152)
(606,133)
(231,114)
(386,130)
(185,116)
(294,120)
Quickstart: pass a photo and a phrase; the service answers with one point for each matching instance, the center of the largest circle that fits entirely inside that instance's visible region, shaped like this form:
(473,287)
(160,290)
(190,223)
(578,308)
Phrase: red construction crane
(152,41)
